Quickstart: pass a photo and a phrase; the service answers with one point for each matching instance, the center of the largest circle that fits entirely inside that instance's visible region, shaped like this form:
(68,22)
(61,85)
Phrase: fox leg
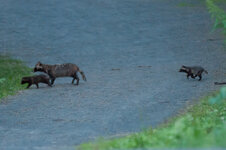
(77,78)
(73,80)
(74,77)
(200,77)
(193,76)
(52,80)
(37,85)
(188,76)
(47,82)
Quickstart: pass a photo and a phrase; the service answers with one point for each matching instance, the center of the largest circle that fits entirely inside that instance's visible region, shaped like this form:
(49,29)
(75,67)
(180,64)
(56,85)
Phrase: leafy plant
(218,14)
(2,80)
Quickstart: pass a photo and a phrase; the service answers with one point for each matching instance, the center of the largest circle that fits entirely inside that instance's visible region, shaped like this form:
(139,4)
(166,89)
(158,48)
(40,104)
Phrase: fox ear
(39,63)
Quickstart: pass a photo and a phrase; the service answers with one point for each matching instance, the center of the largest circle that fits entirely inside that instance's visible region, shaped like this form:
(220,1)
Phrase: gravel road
(130,51)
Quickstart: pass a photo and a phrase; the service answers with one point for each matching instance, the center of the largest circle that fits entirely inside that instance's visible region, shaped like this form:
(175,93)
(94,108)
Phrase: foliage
(218,14)
(10,75)
(202,125)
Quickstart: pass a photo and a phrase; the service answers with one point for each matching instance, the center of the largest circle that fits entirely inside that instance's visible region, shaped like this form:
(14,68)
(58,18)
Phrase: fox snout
(37,69)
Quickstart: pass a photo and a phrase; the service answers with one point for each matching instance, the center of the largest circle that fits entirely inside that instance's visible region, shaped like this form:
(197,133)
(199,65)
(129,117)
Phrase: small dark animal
(193,71)
(219,83)
(62,70)
(35,80)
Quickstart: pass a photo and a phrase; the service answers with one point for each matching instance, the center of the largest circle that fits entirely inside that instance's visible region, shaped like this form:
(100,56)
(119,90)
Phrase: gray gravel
(114,42)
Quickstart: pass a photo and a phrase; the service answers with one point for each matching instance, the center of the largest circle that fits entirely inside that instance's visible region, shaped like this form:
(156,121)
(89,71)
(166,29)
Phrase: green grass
(11,72)
(201,126)
(218,14)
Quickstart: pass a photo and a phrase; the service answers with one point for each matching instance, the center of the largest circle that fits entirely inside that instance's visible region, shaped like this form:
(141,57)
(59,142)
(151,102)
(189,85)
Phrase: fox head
(38,67)
(184,69)
(24,80)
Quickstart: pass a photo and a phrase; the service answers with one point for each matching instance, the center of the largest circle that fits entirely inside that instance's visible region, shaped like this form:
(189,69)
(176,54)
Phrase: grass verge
(202,126)
(218,14)
(11,72)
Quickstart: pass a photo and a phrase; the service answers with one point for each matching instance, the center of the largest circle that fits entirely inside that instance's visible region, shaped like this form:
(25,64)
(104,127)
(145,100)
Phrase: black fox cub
(35,80)
(193,71)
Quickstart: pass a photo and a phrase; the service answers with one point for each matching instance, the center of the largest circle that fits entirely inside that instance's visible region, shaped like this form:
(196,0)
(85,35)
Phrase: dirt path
(114,42)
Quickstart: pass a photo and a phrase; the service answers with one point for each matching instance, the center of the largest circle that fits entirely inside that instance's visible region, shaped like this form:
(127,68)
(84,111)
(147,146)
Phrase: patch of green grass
(183,4)
(11,72)
(218,14)
(201,126)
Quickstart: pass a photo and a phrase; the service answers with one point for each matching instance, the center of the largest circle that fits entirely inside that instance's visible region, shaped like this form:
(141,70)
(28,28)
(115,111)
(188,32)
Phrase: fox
(193,71)
(36,80)
(60,70)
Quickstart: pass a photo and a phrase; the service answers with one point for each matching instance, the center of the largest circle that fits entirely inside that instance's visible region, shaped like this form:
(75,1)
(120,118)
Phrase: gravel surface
(130,51)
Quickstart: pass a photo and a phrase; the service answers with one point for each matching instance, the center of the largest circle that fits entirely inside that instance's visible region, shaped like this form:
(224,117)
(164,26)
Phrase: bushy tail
(83,75)
(205,71)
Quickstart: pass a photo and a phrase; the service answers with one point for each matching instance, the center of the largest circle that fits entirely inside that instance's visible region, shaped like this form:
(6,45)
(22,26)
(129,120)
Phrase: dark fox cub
(62,70)
(193,71)
(35,80)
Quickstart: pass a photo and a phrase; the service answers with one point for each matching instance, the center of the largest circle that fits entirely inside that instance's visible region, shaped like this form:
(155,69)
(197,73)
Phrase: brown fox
(61,70)
(35,80)
(193,71)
